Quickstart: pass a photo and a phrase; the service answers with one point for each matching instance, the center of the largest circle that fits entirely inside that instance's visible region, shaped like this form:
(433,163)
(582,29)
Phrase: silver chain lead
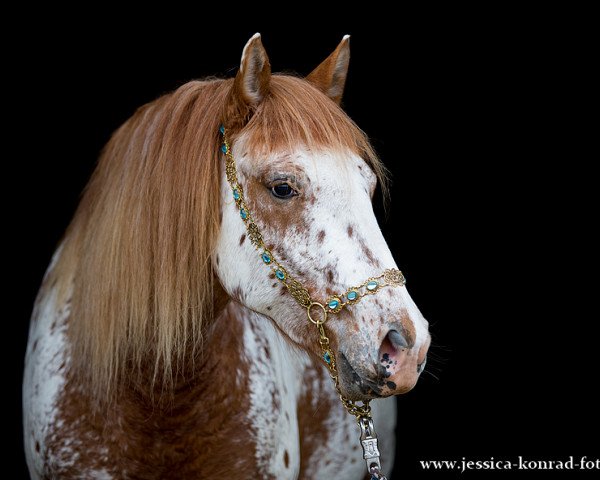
(368,440)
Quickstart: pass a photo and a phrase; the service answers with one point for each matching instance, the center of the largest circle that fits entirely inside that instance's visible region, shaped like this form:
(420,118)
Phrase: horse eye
(283,190)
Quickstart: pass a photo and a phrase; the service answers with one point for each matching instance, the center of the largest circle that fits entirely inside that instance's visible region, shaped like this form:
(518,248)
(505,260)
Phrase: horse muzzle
(391,369)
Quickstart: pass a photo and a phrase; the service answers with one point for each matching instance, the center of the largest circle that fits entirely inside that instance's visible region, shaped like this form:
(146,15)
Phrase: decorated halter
(318,312)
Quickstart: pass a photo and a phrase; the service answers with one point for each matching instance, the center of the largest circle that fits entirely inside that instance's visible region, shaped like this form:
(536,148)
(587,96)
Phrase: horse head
(308,176)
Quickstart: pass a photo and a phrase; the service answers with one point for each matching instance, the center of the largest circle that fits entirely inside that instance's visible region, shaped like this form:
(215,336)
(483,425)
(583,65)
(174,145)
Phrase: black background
(487,199)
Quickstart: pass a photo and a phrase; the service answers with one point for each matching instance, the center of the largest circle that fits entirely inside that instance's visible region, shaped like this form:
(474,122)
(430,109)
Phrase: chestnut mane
(136,259)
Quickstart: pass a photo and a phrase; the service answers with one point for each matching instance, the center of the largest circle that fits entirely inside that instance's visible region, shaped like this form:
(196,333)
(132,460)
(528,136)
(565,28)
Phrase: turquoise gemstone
(333,304)
(266,258)
(327,357)
(372,285)
(222,129)
(279,274)
(224,148)
(352,296)
(243,214)
(236,194)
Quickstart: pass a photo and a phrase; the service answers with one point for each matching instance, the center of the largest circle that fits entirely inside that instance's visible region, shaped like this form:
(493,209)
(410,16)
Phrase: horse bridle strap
(318,312)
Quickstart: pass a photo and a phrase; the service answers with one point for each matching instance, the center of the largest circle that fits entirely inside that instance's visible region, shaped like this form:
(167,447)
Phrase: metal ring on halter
(317,321)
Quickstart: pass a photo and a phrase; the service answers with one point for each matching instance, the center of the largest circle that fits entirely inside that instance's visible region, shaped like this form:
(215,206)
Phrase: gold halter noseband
(333,305)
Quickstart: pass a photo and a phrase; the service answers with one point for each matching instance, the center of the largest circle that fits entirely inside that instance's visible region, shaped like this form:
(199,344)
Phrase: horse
(162,346)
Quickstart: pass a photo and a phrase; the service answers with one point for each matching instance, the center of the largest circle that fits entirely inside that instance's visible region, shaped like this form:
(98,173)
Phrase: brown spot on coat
(312,422)
(408,328)
(242,238)
(287,217)
(286,459)
(369,254)
(321,236)
(350,231)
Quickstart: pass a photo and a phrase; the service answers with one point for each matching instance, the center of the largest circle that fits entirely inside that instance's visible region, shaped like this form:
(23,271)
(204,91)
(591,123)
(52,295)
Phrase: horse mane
(136,259)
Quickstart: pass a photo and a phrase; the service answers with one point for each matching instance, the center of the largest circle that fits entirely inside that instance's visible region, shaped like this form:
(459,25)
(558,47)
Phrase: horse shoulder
(48,448)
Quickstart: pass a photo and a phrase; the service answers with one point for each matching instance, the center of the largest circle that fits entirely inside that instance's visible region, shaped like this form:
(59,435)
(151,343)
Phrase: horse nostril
(397,339)
(394,349)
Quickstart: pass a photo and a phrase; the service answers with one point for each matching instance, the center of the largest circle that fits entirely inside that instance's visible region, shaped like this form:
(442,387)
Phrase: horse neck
(246,390)
(247,362)
(255,351)
(248,376)
(265,375)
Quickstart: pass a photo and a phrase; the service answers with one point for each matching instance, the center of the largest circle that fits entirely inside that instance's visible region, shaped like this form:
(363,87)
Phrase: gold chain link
(358,411)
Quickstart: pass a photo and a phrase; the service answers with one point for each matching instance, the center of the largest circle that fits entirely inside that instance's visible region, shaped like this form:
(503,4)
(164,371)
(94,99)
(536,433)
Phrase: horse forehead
(343,169)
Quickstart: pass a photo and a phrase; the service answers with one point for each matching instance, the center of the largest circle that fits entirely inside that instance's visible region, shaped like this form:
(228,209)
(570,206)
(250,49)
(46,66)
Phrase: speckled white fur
(43,378)
(43,381)
(100,475)
(275,382)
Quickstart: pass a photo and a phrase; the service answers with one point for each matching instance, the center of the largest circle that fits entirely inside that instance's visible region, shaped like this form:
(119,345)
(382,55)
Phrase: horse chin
(357,387)
(360,389)
(359,392)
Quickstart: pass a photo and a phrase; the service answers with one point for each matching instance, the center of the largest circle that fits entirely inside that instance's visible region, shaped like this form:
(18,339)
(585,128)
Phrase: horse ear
(330,76)
(253,79)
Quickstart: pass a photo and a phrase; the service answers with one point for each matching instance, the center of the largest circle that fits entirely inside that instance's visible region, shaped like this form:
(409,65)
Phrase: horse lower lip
(370,388)
(367,387)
